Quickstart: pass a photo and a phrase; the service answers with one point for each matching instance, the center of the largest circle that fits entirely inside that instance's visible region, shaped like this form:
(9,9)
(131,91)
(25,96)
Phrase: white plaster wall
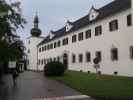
(32,56)
(121,39)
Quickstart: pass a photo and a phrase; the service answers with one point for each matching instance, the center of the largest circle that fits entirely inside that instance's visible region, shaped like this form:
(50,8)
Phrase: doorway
(65,60)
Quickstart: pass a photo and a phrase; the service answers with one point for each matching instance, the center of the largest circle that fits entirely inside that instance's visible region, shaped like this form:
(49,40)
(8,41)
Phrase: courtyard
(34,86)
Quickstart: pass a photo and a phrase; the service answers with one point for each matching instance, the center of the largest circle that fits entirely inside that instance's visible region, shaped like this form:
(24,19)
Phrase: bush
(54,69)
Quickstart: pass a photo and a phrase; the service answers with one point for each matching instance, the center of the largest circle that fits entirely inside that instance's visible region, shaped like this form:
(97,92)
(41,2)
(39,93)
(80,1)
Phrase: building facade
(106,33)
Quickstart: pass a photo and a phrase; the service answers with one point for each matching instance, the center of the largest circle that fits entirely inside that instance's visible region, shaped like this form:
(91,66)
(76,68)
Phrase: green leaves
(10,20)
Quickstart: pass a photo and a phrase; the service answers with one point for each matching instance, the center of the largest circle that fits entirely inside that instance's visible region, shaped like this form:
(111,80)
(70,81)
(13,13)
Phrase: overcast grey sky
(54,13)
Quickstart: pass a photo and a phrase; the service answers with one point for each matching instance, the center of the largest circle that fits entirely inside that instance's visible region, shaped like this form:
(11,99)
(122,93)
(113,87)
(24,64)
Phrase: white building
(106,33)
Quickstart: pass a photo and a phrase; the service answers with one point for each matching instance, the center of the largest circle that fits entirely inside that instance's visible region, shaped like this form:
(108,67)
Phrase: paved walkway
(33,86)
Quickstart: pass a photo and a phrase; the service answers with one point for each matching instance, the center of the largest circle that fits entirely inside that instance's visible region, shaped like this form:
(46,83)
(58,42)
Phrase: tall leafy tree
(11,47)
(10,20)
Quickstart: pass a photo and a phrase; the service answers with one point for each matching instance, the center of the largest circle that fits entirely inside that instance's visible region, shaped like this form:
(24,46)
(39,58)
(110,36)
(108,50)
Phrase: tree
(10,20)
(11,47)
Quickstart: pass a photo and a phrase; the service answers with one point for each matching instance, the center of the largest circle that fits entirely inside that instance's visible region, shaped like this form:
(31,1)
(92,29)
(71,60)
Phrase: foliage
(10,20)
(54,69)
(105,87)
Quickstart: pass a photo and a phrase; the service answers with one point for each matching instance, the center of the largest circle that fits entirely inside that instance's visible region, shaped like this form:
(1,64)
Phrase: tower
(36,32)
(32,42)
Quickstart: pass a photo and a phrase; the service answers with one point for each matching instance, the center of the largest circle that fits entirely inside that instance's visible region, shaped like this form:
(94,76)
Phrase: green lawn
(104,87)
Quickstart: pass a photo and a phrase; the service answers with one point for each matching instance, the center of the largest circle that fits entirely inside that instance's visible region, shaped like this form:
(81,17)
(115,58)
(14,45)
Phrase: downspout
(37,59)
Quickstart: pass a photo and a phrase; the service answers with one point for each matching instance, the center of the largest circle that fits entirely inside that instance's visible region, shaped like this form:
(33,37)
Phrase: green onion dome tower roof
(36,31)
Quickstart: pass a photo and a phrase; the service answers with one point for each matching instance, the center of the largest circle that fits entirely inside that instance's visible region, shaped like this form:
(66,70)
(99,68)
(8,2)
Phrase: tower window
(129,20)
(113,25)
(114,54)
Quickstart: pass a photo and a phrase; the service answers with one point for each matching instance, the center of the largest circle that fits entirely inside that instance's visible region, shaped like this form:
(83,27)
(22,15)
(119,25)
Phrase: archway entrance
(65,60)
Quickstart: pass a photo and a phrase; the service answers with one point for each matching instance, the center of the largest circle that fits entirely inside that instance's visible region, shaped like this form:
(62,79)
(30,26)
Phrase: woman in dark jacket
(14,76)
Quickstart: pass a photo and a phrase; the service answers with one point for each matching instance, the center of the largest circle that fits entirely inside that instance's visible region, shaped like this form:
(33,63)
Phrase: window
(45,48)
(29,41)
(39,49)
(131,52)
(58,43)
(98,30)
(73,58)
(88,57)
(80,36)
(113,25)
(55,45)
(28,51)
(44,61)
(51,46)
(80,58)
(39,62)
(42,49)
(74,38)
(129,20)
(48,47)
(99,55)
(114,54)
(88,34)
(58,58)
(50,59)
(28,62)
(54,59)
(65,41)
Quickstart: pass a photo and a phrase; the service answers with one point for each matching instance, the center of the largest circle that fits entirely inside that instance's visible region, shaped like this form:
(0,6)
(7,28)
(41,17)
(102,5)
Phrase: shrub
(54,69)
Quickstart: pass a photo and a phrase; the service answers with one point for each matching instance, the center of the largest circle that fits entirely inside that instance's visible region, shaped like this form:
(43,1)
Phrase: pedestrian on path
(14,76)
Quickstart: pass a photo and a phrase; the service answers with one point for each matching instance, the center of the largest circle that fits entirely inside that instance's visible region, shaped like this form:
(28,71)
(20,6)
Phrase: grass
(104,87)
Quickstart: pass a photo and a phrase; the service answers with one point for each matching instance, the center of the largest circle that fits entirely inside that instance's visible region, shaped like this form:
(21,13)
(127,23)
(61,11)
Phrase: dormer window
(93,14)
(51,34)
(68,26)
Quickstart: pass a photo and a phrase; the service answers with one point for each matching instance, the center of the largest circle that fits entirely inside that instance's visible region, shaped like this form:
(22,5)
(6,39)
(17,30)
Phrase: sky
(53,14)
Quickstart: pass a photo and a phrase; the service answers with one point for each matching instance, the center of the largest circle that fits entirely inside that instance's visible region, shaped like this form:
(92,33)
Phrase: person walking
(14,76)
